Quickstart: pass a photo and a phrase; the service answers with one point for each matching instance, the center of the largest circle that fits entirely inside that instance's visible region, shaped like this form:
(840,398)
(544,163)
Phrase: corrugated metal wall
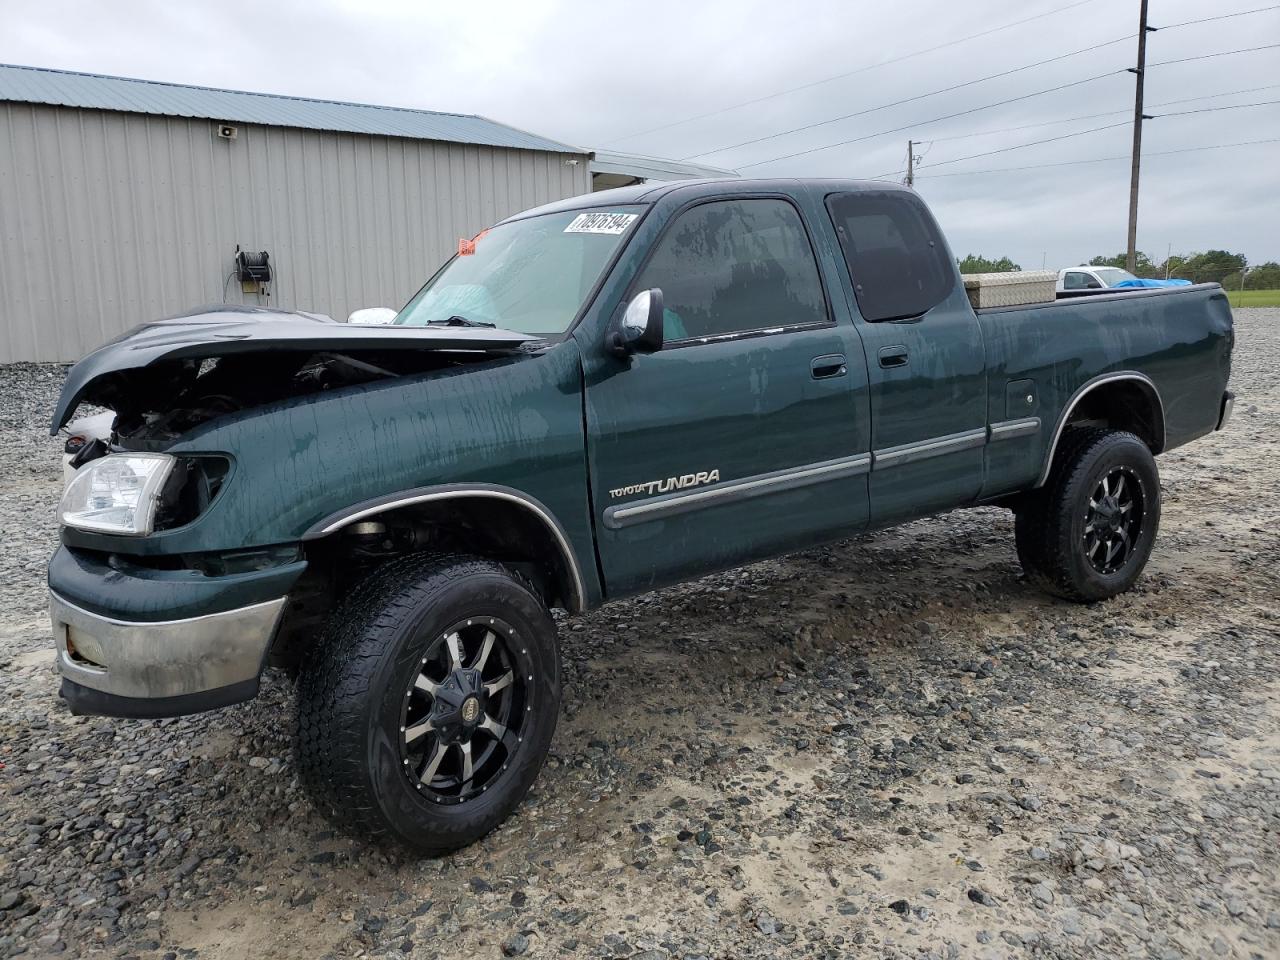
(111,219)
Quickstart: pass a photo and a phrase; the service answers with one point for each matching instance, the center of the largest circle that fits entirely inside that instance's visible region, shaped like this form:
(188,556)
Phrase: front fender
(514,422)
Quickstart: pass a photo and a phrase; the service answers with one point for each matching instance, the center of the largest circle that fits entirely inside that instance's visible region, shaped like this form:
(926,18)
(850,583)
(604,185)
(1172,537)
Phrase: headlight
(116,494)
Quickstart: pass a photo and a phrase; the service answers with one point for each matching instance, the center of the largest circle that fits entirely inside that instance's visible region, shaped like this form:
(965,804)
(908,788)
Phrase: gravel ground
(891,747)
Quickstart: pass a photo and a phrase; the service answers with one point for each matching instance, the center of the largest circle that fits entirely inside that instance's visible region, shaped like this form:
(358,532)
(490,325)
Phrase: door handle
(895,356)
(832,365)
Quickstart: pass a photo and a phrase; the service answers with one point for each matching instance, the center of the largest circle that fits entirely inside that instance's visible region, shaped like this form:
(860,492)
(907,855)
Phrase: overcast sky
(596,74)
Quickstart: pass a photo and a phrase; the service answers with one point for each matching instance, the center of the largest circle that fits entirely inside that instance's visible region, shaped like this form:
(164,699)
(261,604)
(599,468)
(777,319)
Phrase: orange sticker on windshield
(467,247)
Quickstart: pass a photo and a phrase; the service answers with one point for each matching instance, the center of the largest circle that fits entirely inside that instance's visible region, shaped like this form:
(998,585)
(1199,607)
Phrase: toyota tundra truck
(591,400)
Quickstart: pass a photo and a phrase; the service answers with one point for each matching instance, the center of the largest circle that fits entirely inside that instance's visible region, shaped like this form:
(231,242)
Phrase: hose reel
(253,270)
(253,267)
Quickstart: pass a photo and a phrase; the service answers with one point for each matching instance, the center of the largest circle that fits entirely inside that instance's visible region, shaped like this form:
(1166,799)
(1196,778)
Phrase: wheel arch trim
(418,495)
(1083,391)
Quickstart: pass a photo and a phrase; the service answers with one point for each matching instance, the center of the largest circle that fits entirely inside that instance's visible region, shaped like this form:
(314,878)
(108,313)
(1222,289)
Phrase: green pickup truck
(592,399)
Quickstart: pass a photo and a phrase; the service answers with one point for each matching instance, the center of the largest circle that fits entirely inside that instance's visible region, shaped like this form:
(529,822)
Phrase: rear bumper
(1224,412)
(160,668)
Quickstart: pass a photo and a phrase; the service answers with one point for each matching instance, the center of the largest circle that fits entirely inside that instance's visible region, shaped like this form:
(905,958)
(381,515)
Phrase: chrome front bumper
(182,661)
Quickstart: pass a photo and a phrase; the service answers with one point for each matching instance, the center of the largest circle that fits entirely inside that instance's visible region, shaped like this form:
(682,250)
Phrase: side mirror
(372,316)
(640,329)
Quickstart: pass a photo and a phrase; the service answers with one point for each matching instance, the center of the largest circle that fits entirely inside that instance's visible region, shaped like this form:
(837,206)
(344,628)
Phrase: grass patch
(1254,298)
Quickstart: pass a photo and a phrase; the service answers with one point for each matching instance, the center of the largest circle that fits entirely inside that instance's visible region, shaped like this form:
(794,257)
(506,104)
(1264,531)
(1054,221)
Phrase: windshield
(530,276)
(1113,275)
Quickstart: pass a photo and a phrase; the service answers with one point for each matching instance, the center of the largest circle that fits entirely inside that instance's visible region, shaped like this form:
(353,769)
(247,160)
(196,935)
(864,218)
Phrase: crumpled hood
(219,331)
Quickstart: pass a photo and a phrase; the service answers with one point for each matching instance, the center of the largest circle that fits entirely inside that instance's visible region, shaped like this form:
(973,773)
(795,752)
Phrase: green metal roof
(96,92)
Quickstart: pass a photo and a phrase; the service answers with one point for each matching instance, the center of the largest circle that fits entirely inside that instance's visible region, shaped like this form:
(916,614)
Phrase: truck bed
(1103,296)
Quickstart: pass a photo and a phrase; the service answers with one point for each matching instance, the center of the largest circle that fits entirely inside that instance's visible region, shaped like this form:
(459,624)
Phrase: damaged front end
(182,568)
(162,379)
(165,379)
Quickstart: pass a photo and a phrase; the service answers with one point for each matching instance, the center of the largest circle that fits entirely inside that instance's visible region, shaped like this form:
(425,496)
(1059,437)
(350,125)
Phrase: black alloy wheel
(1087,534)
(1113,520)
(426,711)
(464,713)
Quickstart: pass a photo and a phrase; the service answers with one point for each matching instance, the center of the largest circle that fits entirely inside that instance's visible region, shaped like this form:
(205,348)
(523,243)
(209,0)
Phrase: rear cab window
(895,254)
(735,267)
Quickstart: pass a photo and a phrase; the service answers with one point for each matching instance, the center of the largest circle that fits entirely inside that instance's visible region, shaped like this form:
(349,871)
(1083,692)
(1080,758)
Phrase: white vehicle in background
(1079,281)
(1091,278)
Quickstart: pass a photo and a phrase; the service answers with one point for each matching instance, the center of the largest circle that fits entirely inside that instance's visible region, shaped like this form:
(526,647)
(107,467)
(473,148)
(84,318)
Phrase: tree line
(1211,266)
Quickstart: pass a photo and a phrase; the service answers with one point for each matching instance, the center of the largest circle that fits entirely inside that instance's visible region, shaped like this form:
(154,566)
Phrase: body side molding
(925,449)
(1009,429)
(669,505)
(1079,395)
(658,508)
(746,488)
(457,491)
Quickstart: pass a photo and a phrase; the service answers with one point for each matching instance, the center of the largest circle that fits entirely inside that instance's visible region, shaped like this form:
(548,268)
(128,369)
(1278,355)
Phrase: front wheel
(425,716)
(1088,533)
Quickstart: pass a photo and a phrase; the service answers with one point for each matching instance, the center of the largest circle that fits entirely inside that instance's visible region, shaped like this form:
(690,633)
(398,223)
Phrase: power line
(1027,126)
(949,116)
(998,103)
(1032,143)
(917,53)
(1231,106)
(994,76)
(842,76)
(1221,16)
(920,96)
(1214,96)
(1210,56)
(1080,133)
(1072,163)
(1112,113)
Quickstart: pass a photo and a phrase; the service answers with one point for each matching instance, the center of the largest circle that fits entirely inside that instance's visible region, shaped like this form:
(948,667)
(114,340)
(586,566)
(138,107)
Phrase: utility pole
(911,159)
(1140,73)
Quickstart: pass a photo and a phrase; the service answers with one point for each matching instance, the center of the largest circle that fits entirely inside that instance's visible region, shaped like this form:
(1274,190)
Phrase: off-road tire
(351,694)
(1050,523)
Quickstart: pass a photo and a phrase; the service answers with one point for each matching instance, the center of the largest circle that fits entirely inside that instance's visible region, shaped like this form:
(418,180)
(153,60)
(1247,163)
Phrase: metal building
(125,200)
(610,170)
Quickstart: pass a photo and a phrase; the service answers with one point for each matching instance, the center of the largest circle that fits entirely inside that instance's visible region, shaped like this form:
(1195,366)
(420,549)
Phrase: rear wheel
(426,715)
(1088,533)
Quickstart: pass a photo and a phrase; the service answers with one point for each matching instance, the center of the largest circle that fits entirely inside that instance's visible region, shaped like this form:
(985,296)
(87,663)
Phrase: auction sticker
(611,223)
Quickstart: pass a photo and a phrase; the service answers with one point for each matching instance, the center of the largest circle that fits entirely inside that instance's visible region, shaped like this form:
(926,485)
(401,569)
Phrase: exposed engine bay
(166,377)
(157,404)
